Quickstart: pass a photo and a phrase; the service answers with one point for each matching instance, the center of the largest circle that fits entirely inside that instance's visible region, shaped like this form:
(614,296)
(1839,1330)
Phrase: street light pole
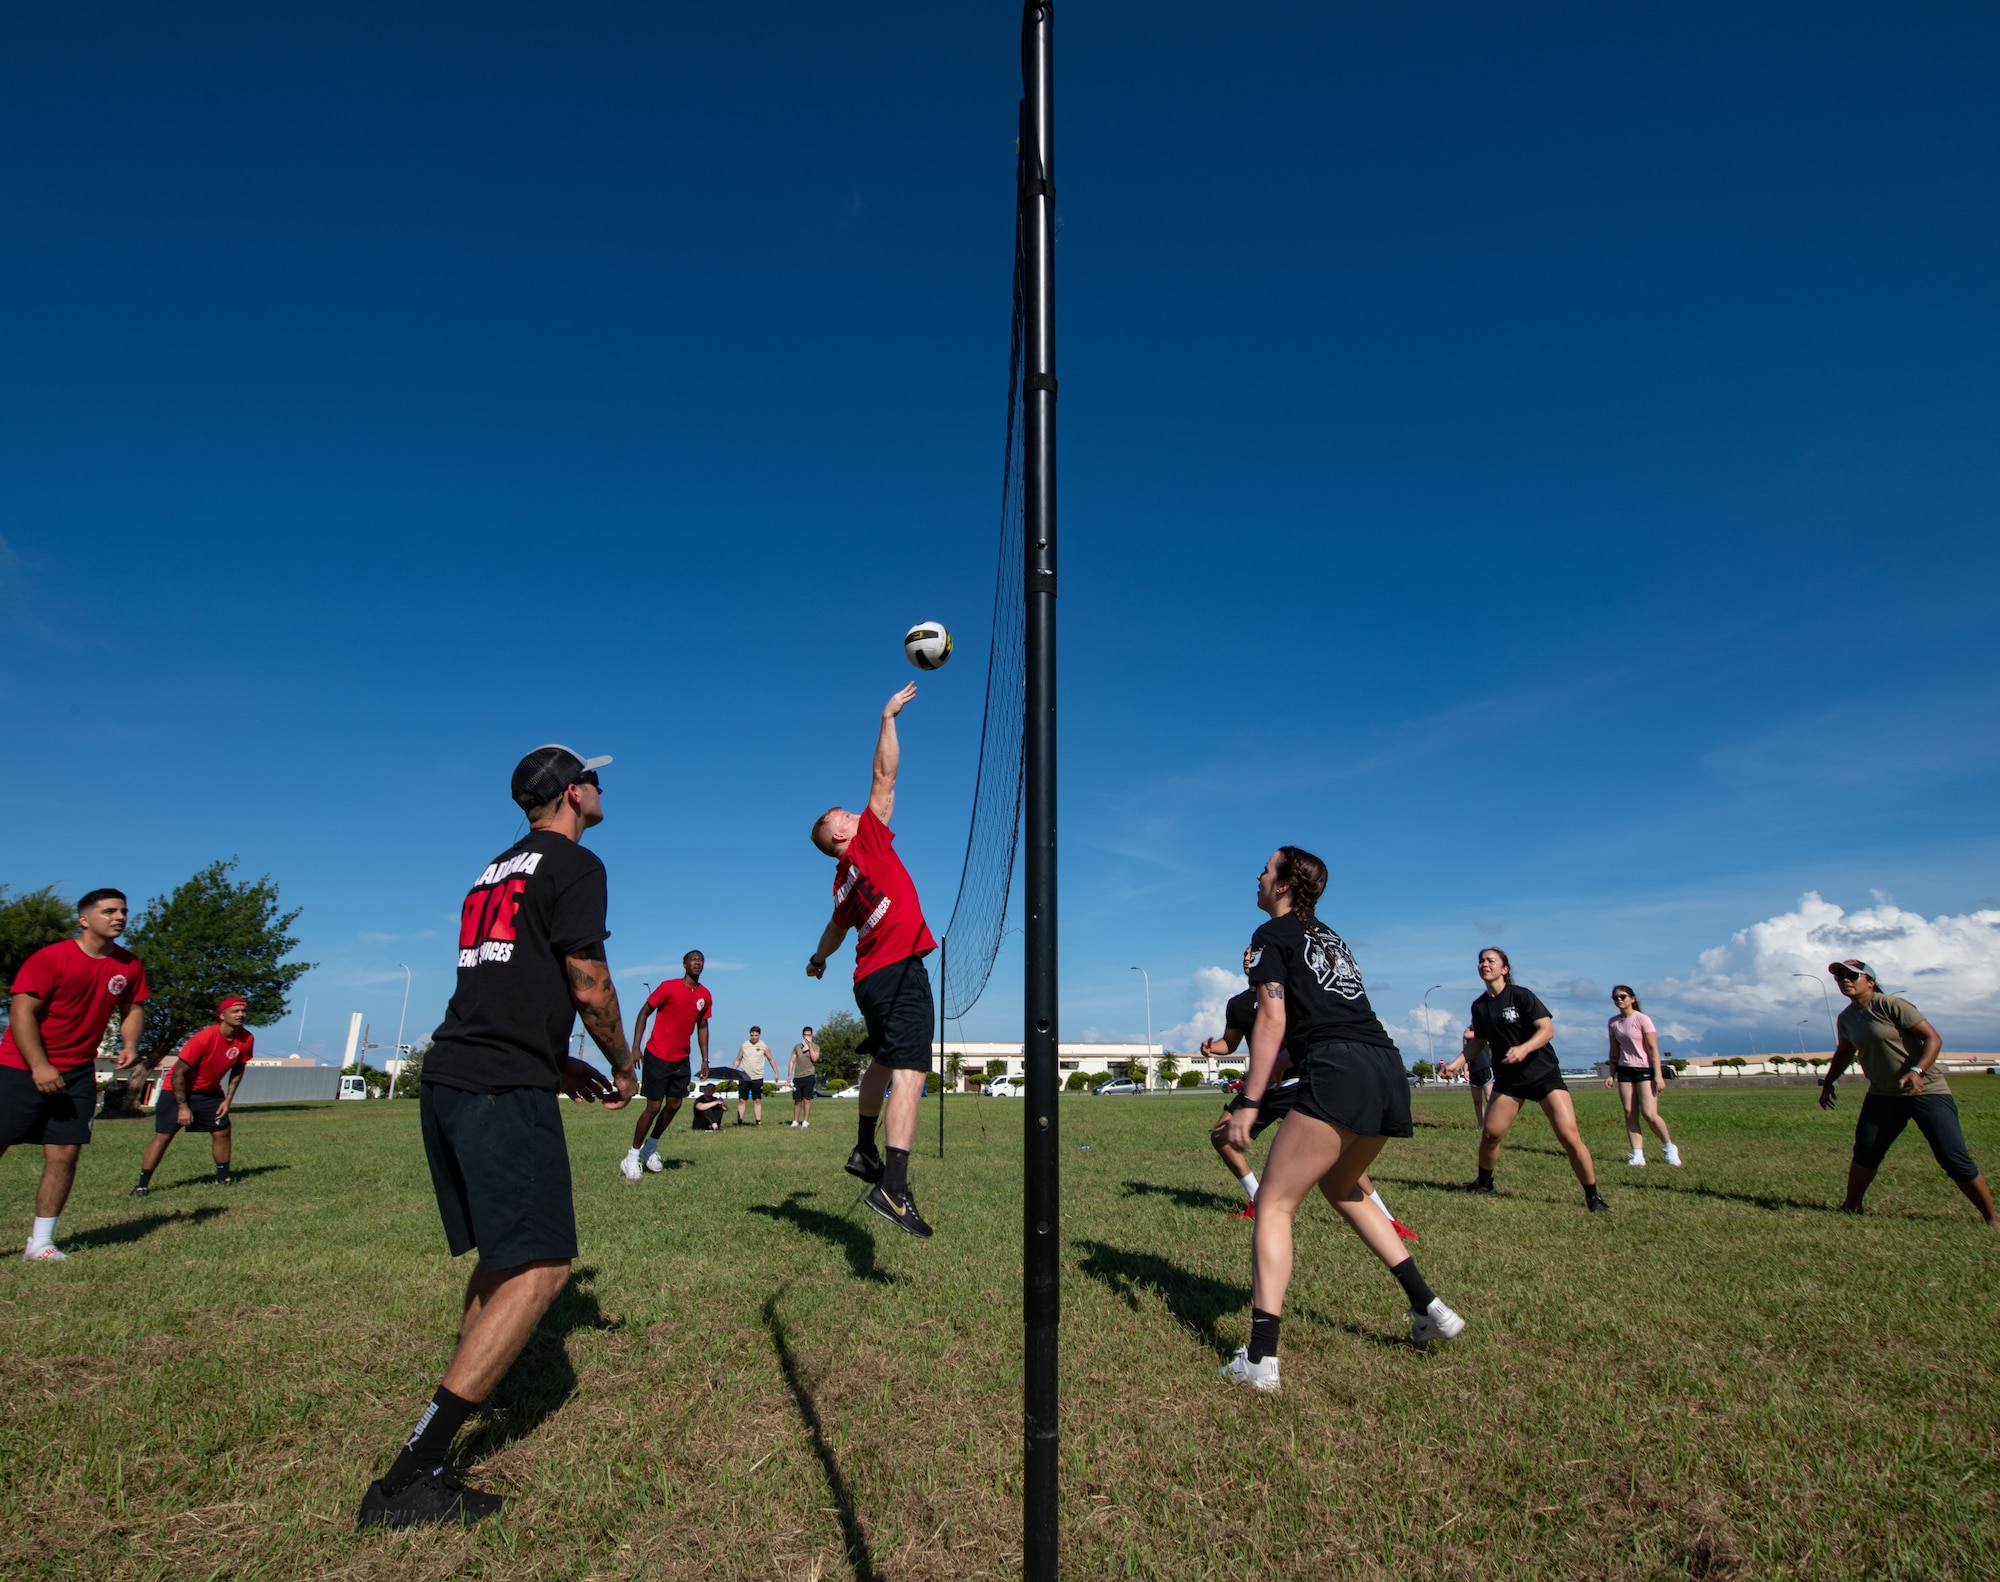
(1149,1010)
(1430,1048)
(1826,1001)
(401,1017)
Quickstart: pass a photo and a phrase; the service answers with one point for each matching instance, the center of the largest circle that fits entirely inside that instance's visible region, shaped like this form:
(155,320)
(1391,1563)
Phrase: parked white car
(1006,1087)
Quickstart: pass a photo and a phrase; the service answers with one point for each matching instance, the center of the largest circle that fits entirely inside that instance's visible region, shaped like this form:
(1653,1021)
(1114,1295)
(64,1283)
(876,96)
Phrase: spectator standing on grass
(874,896)
(59,1005)
(1635,1072)
(530,960)
(1476,1061)
(1354,1095)
(196,1100)
(1239,1017)
(1897,1048)
(684,1008)
(753,1061)
(805,1077)
(1513,1022)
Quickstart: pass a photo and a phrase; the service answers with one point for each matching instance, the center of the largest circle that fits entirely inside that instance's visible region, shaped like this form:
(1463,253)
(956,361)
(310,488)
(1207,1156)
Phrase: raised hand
(895,705)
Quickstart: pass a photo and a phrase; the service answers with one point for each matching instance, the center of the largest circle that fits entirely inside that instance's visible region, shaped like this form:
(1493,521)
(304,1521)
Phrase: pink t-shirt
(1629,1034)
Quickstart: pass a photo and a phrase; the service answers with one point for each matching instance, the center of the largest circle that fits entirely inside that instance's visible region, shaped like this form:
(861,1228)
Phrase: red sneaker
(1402,1230)
(1247,1211)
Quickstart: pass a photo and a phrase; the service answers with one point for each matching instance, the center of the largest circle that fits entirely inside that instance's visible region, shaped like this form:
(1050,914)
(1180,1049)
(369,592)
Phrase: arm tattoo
(1272,991)
(582,977)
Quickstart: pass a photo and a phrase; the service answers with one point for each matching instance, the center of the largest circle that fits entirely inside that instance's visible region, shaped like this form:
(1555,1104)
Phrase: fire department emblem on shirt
(116,983)
(1330,962)
(1510,1015)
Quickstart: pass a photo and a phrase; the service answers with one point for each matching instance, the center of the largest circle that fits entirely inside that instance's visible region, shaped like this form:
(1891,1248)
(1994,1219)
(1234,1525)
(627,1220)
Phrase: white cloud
(1209,991)
(1949,966)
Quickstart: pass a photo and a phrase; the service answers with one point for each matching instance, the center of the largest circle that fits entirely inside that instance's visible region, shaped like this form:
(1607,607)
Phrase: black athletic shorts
(1479,1076)
(1278,1103)
(28,1115)
(166,1113)
(1634,1074)
(1361,1087)
(500,1167)
(901,1016)
(1884,1116)
(802,1089)
(1531,1087)
(663,1079)
(750,1089)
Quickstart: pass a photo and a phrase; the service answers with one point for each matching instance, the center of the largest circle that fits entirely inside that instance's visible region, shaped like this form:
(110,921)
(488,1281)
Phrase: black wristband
(1243,1101)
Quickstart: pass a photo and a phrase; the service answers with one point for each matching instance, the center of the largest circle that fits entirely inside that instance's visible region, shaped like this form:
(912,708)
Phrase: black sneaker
(142,1190)
(1483,1188)
(1594,1201)
(899,1209)
(225,1180)
(865,1166)
(436,1499)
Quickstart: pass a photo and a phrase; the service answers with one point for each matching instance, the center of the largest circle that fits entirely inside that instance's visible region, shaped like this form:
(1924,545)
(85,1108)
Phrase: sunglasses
(587,778)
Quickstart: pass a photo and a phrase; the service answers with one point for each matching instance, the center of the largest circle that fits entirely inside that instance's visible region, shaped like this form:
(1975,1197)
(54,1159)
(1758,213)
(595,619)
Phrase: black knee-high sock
(1414,1285)
(222,1170)
(896,1172)
(1263,1334)
(864,1137)
(429,1441)
(145,1178)
(1484,1178)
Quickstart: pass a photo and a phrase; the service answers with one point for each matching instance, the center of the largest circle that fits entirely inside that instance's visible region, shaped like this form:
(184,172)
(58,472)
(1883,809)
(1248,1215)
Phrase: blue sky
(1543,462)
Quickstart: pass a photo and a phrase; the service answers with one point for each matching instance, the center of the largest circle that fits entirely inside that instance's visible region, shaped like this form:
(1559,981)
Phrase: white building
(1095,1061)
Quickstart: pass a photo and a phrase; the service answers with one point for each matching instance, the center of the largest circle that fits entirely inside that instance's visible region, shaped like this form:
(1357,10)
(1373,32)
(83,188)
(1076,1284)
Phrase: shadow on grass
(130,1230)
(1197,1301)
(1187,1197)
(852,1239)
(859,1560)
(542,1377)
(1754,1199)
(209,1179)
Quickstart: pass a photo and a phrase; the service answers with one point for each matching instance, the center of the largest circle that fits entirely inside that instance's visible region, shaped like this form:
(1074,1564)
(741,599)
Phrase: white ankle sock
(1376,1199)
(1250,1186)
(44,1233)
(632,1154)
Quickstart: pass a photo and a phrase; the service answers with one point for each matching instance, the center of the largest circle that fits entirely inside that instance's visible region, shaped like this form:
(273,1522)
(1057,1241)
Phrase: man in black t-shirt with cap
(530,959)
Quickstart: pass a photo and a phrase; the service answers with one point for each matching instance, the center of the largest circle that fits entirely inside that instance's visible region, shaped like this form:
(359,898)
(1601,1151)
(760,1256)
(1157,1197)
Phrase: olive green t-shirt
(1885,1038)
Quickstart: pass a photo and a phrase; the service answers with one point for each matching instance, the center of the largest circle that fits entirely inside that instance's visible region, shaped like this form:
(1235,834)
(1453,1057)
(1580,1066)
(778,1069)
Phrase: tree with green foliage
(1423,1071)
(1169,1069)
(1077,1082)
(27,923)
(1189,1079)
(211,937)
(840,1037)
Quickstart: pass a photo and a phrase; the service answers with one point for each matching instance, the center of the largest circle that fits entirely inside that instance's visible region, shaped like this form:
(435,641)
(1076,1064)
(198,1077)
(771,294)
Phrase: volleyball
(928,645)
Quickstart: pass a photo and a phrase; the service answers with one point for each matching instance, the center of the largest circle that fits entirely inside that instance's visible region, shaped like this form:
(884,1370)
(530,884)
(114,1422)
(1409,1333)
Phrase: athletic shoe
(1247,1211)
(805,1126)
(1402,1230)
(437,1499)
(898,1208)
(140,1191)
(1239,1369)
(630,1168)
(1483,1188)
(229,1180)
(1673,1156)
(655,1163)
(792,1124)
(49,1254)
(865,1166)
(1638,1157)
(1436,1322)
(1596,1204)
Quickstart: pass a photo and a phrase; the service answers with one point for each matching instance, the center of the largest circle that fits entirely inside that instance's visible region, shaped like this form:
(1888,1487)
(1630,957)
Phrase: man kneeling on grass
(196,1099)
(530,958)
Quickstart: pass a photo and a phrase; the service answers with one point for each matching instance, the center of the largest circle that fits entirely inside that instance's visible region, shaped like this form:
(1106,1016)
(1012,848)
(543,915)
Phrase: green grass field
(749,1376)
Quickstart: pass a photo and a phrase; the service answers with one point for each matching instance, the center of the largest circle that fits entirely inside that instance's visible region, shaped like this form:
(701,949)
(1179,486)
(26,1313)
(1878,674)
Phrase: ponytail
(1304,878)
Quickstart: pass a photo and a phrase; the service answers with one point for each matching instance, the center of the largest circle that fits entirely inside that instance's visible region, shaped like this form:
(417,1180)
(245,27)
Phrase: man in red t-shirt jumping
(873,895)
(61,1001)
(684,1008)
(196,1099)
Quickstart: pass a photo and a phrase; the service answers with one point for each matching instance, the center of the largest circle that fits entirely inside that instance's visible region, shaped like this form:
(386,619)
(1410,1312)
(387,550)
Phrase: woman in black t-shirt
(1353,1095)
(1514,1024)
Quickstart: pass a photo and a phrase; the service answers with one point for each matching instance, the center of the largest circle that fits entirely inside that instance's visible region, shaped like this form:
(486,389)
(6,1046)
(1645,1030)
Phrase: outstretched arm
(595,997)
(888,757)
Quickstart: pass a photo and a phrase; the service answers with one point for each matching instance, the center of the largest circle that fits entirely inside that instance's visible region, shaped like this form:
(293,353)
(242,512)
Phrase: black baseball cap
(549,771)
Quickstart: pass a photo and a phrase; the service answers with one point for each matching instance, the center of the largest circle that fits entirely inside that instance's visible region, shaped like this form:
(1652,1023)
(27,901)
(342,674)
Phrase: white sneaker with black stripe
(1239,1369)
(1436,1322)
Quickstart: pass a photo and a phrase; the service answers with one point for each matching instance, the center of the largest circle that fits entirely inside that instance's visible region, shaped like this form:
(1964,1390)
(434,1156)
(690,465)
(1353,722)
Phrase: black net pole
(944,1060)
(1041,1227)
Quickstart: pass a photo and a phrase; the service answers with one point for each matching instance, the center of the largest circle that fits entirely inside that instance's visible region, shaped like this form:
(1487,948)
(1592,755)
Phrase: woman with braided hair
(1353,1095)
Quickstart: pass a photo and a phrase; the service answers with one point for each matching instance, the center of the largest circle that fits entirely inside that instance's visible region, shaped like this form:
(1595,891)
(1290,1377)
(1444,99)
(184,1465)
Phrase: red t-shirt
(80,993)
(680,1009)
(213,1053)
(874,896)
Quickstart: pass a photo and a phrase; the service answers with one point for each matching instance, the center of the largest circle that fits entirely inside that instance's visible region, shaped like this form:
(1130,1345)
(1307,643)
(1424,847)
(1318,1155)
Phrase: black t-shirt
(1241,1012)
(1324,999)
(508,1023)
(1506,1019)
